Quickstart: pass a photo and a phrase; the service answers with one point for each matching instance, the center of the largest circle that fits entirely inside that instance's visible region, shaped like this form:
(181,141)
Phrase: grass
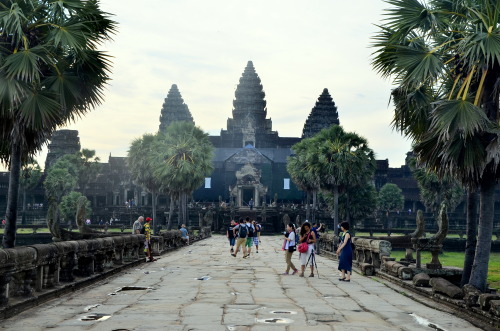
(456,259)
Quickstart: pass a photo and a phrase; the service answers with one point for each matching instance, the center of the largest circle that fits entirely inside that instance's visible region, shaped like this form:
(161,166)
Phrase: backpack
(242,231)
(250,231)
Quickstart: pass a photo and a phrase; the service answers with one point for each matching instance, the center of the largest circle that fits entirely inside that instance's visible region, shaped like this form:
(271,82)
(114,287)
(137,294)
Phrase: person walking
(256,238)
(251,234)
(250,203)
(242,231)
(230,235)
(344,252)
(137,226)
(290,246)
(307,236)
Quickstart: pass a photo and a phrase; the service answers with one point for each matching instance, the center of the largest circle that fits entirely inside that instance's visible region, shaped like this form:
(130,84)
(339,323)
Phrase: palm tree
(182,157)
(51,73)
(445,60)
(142,169)
(299,169)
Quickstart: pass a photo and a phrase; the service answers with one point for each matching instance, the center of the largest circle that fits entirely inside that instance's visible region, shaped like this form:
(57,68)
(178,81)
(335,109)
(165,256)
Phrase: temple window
(286,183)
(208,182)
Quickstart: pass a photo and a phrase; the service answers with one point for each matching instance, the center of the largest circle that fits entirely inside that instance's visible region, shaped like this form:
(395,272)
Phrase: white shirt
(291,236)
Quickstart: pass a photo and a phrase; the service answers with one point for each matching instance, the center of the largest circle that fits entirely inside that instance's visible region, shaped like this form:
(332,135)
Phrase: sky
(297,48)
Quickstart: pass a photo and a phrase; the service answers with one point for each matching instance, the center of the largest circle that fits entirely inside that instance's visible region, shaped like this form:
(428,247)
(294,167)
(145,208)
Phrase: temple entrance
(248,193)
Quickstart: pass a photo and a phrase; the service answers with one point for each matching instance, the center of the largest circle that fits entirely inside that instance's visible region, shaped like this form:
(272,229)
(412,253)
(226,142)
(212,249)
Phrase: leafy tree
(445,60)
(300,171)
(69,204)
(141,167)
(182,157)
(51,73)
(358,202)
(31,174)
(390,198)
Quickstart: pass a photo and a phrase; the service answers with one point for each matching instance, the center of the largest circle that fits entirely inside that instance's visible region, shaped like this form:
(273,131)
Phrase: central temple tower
(249,125)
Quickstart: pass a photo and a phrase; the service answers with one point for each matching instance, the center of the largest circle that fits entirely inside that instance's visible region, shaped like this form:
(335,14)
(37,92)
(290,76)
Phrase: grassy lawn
(456,259)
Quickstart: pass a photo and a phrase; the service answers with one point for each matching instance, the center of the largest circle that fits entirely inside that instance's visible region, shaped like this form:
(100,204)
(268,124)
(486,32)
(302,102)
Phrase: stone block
(367,269)
(495,307)
(441,285)
(471,295)
(421,280)
(405,273)
(486,298)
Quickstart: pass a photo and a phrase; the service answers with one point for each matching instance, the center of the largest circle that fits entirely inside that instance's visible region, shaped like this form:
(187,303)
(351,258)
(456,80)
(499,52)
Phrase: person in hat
(147,241)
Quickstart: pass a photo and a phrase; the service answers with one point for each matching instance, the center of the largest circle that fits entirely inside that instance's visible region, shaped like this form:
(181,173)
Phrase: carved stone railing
(27,272)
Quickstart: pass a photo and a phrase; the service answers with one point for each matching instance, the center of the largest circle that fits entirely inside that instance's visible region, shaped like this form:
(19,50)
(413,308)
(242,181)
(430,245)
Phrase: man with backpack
(251,234)
(242,233)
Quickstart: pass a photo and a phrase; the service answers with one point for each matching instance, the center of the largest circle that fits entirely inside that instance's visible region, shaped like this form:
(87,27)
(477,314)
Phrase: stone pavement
(236,294)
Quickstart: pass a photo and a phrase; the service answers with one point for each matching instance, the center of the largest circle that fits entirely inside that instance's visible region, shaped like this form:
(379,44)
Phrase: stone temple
(250,157)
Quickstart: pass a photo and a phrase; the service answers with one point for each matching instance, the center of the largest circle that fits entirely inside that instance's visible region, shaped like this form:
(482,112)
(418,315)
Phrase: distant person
(316,229)
(147,240)
(307,236)
(250,203)
(230,235)
(290,247)
(184,234)
(251,234)
(241,238)
(255,236)
(258,229)
(137,226)
(87,221)
(344,252)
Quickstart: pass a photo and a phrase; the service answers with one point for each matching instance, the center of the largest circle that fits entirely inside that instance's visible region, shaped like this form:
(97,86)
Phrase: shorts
(249,242)
(231,241)
(256,241)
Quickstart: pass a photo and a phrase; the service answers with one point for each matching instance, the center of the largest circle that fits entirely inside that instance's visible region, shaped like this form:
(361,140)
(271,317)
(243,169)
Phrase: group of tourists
(244,234)
(305,239)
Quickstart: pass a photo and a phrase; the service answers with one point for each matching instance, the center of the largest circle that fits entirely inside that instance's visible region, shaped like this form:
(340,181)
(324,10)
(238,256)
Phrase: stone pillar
(256,198)
(240,196)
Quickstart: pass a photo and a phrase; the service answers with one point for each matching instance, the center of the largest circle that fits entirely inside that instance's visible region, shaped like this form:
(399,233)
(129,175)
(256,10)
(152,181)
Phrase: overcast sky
(297,47)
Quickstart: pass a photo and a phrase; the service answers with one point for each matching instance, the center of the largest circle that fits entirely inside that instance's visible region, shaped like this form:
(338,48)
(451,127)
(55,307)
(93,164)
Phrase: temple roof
(174,109)
(323,115)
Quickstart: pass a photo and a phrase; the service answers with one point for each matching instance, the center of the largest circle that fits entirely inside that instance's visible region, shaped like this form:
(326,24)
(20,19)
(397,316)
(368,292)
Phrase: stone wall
(32,274)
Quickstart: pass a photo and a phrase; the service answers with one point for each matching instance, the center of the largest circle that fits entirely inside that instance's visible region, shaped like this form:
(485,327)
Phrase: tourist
(137,226)
(307,236)
(184,234)
(147,241)
(256,236)
(317,229)
(242,230)
(251,234)
(230,235)
(258,229)
(290,246)
(344,252)
(250,203)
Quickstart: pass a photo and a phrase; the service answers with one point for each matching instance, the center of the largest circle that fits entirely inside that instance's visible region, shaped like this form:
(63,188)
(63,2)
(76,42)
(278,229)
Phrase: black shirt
(230,231)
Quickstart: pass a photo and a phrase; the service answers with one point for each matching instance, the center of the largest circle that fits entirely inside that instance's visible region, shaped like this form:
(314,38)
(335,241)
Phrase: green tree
(390,198)
(445,60)
(358,202)
(69,204)
(31,174)
(141,167)
(51,73)
(298,166)
(182,157)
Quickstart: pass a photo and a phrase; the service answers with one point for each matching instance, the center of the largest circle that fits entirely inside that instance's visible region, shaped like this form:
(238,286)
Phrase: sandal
(311,275)
(294,272)
(301,275)
(342,279)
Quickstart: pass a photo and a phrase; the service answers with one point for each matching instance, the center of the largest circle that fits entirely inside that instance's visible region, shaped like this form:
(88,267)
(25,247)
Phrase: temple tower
(61,143)
(249,125)
(174,109)
(323,115)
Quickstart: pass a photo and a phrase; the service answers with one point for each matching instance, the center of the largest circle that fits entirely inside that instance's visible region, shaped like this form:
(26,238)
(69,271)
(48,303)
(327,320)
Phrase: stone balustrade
(27,271)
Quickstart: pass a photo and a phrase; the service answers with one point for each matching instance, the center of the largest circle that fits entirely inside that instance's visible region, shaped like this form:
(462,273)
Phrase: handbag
(303,247)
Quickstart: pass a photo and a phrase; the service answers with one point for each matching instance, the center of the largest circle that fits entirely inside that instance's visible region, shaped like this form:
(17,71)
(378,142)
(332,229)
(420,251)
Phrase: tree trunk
(347,213)
(9,236)
(153,196)
(313,212)
(23,220)
(479,272)
(470,244)
(308,209)
(336,209)
(171,211)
